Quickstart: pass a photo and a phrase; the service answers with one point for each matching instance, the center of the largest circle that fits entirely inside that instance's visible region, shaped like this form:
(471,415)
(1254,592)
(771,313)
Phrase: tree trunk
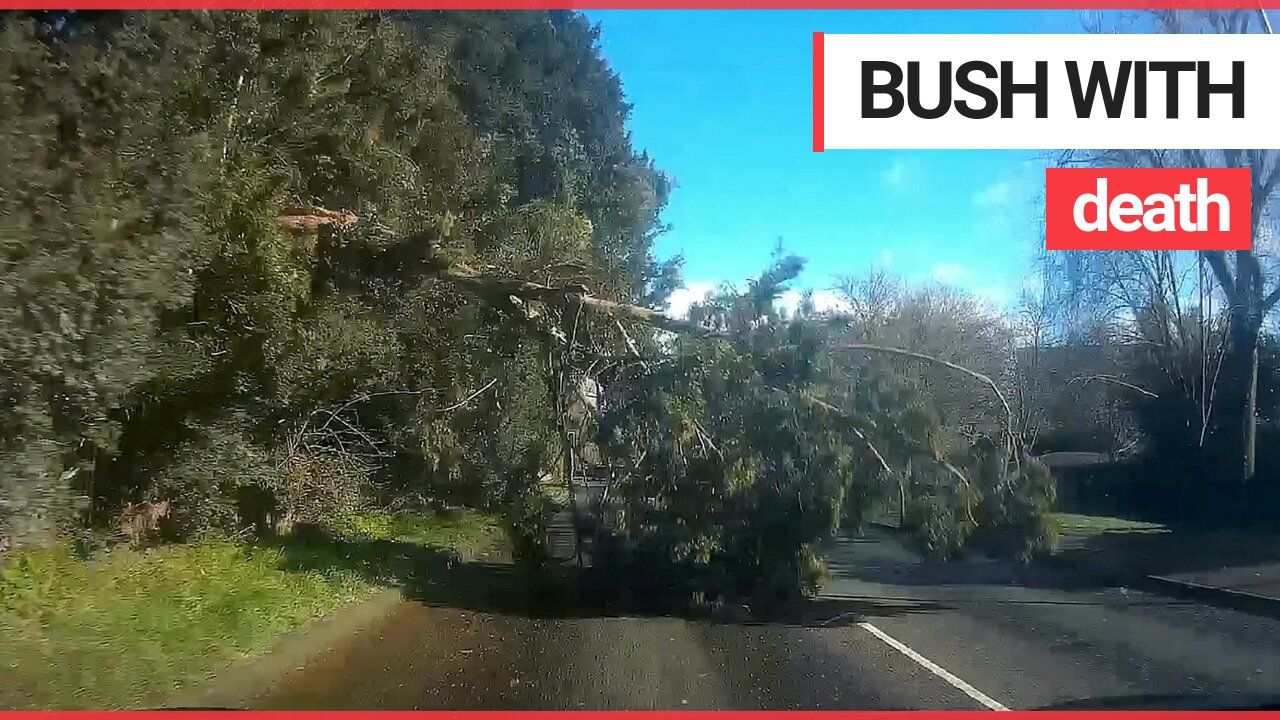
(1251,413)
(1245,397)
(902,502)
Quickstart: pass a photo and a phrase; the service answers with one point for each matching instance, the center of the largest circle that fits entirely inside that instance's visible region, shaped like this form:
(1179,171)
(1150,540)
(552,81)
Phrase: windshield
(639,359)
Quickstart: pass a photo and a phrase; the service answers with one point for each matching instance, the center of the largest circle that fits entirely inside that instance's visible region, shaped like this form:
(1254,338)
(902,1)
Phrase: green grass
(1075,525)
(1123,546)
(127,628)
(462,532)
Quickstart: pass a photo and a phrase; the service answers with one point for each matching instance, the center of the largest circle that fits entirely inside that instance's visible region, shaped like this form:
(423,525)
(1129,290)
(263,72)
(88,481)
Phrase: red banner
(1148,209)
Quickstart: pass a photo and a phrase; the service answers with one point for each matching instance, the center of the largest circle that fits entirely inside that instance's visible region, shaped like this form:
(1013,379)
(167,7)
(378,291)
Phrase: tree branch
(841,413)
(995,389)
(503,286)
(1218,263)
(469,398)
(506,287)
(1247,266)
(706,439)
(631,345)
(1112,380)
(1269,301)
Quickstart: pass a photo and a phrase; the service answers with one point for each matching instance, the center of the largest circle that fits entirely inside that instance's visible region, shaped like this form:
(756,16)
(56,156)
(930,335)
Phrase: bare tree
(1248,281)
(944,323)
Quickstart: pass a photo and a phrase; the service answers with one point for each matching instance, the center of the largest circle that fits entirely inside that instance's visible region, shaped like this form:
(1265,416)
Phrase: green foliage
(165,343)
(1016,509)
(161,338)
(204,479)
(736,475)
(99,233)
(746,453)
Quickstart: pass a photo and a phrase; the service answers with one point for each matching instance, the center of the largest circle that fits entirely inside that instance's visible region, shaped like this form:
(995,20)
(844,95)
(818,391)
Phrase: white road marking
(934,668)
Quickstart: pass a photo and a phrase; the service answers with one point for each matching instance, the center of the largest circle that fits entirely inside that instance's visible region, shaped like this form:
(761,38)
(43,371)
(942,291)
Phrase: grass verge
(1217,557)
(128,628)
(1084,526)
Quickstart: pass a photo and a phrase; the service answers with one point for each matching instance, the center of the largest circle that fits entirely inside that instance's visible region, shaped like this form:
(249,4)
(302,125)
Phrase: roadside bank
(130,628)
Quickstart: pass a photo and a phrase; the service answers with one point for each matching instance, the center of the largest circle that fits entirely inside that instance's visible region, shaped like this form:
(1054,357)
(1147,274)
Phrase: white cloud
(1033,282)
(886,257)
(694,292)
(996,296)
(994,195)
(823,301)
(682,298)
(945,272)
(830,301)
(788,301)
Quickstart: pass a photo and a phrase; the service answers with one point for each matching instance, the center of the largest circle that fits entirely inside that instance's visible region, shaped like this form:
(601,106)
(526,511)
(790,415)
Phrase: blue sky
(722,101)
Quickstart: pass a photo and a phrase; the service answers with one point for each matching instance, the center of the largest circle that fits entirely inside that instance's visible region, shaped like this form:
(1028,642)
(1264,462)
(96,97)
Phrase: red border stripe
(641,4)
(819,92)
(633,715)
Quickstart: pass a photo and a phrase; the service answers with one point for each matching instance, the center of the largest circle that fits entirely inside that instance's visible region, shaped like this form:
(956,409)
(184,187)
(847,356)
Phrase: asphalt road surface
(888,633)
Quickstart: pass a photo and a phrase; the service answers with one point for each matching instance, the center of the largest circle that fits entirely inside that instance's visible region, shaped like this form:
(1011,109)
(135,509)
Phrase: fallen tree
(727,418)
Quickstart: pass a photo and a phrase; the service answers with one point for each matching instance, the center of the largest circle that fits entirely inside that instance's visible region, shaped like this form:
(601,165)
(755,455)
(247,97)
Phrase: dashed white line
(934,668)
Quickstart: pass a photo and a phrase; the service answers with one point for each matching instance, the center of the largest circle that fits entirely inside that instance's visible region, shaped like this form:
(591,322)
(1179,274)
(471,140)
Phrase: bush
(812,570)
(317,489)
(528,518)
(149,293)
(34,496)
(999,507)
(938,528)
(1016,510)
(210,486)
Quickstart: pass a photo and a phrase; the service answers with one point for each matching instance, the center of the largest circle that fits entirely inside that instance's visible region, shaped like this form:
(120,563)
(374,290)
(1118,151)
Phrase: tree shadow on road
(891,562)
(1177,551)
(835,612)
(561,591)
(888,560)
(965,572)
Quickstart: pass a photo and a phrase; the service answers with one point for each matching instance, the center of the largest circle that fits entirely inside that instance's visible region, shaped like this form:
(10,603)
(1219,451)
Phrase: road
(888,633)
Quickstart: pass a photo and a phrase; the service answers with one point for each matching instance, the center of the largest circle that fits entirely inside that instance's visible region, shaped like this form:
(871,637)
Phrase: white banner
(1094,92)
